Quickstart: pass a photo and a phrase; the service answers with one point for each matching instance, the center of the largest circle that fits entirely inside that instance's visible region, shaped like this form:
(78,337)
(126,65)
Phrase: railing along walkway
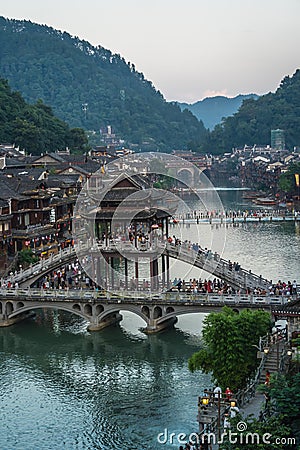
(249,400)
(211,263)
(144,297)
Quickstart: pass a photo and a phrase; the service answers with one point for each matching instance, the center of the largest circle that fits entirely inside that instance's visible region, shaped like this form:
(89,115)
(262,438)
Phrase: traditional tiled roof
(7,191)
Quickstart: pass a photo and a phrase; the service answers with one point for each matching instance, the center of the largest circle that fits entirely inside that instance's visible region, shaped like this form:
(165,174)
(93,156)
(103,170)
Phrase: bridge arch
(88,310)
(77,307)
(157,312)
(9,308)
(220,268)
(130,308)
(186,175)
(99,309)
(146,311)
(173,313)
(28,308)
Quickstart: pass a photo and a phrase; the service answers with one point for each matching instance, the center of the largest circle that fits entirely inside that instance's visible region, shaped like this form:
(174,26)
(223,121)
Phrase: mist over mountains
(212,110)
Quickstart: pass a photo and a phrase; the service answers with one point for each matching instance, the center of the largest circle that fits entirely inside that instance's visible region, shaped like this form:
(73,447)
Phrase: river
(65,388)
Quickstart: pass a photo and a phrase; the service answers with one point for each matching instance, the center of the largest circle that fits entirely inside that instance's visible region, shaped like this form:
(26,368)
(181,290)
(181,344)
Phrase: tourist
(234,410)
(268,376)
(267,399)
(228,394)
(217,391)
(226,423)
(205,443)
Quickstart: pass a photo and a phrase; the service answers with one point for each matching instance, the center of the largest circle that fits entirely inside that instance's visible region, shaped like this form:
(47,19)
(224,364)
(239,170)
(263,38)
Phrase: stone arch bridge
(101,309)
(158,309)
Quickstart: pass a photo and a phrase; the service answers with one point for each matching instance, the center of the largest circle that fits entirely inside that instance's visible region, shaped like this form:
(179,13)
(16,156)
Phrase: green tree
(34,127)
(228,351)
(285,393)
(287,181)
(77,140)
(26,257)
(271,434)
(66,73)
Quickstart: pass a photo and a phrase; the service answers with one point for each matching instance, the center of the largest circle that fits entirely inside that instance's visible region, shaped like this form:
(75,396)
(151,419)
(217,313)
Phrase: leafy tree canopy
(89,87)
(228,346)
(34,127)
(287,180)
(258,435)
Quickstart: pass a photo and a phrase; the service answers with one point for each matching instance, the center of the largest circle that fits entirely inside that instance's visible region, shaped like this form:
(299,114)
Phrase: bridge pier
(111,319)
(8,322)
(153,327)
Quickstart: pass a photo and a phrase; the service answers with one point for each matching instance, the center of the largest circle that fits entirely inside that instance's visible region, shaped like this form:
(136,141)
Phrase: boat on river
(251,195)
(267,201)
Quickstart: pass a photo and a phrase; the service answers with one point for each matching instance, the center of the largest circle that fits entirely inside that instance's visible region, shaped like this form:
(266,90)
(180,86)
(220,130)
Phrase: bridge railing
(43,264)
(209,261)
(151,297)
(213,263)
(216,264)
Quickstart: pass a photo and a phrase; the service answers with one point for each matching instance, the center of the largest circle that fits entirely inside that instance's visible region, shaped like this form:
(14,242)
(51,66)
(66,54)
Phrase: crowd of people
(73,275)
(229,214)
(199,286)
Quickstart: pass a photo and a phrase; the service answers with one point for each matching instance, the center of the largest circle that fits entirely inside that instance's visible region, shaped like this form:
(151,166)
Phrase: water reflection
(64,388)
(111,389)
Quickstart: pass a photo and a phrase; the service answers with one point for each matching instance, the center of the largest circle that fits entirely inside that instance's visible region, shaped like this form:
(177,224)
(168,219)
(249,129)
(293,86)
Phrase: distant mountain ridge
(253,122)
(90,87)
(212,110)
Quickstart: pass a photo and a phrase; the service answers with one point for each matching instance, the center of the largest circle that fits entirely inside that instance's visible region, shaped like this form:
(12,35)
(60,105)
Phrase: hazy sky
(189,49)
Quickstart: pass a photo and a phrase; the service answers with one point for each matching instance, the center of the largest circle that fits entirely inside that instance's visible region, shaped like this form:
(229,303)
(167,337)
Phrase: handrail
(270,339)
(136,297)
(241,278)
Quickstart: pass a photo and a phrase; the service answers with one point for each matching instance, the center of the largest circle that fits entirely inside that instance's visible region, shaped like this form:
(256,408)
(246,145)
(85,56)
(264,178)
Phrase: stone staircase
(272,362)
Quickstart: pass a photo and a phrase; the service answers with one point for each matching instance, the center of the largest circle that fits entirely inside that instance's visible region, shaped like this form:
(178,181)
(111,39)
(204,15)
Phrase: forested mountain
(34,127)
(253,123)
(212,110)
(90,87)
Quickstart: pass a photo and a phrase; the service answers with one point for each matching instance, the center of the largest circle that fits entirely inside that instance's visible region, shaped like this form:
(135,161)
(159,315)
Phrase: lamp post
(205,401)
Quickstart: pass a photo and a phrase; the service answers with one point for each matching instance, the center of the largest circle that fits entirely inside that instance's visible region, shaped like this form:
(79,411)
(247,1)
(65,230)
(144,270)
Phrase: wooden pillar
(112,272)
(106,234)
(168,270)
(126,272)
(106,272)
(135,236)
(151,275)
(136,273)
(98,270)
(167,227)
(154,274)
(93,267)
(163,269)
